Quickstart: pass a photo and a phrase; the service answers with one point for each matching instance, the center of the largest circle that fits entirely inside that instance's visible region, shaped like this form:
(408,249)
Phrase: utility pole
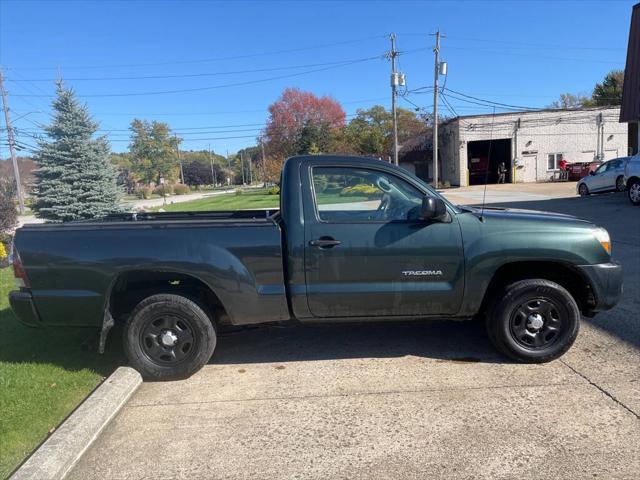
(12,146)
(229,172)
(179,159)
(242,166)
(394,85)
(264,167)
(250,173)
(436,72)
(213,172)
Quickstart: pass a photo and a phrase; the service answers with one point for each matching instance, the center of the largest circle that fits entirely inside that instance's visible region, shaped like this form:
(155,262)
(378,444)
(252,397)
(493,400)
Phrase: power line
(190,75)
(214,87)
(205,60)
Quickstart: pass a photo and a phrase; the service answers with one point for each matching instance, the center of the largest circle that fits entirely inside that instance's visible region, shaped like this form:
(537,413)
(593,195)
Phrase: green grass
(248,200)
(44,375)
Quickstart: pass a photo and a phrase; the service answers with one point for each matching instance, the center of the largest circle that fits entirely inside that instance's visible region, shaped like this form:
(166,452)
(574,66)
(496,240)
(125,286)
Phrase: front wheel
(168,336)
(583,190)
(634,192)
(533,321)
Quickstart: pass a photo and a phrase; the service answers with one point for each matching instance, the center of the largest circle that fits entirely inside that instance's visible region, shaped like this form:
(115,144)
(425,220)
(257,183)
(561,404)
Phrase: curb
(60,452)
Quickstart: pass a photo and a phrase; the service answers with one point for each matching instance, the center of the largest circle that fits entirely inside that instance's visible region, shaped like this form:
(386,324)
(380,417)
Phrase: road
(404,400)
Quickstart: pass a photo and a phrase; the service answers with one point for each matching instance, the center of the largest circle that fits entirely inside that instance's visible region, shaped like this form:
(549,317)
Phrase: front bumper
(606,282)
(22,305)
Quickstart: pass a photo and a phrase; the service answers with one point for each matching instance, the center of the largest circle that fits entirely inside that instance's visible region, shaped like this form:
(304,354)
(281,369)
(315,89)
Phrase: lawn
(248,200)
(44,375)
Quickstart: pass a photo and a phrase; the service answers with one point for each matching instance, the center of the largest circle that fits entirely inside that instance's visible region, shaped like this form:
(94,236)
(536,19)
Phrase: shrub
(144,192)
(163,190)
(361,190)
(275,190)
(180,189)
(8,212)
(238,191)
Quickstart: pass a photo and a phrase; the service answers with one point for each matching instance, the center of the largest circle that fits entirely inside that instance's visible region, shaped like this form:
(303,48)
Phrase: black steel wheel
(533,320)
(168,336)
(536,323)
(168,339)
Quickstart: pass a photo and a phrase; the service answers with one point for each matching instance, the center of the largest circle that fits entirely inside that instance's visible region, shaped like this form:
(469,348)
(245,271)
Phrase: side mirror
(433,208)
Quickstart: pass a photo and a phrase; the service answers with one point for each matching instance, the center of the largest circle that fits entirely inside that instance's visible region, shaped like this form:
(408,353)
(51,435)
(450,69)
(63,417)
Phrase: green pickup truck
(355,239)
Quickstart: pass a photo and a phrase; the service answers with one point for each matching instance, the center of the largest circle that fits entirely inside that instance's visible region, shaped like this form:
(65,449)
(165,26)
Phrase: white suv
(632,179)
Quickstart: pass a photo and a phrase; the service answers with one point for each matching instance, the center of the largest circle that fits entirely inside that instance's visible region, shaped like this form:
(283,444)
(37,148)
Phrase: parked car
(607,177)
(578,170)
(355,239)
(632,179)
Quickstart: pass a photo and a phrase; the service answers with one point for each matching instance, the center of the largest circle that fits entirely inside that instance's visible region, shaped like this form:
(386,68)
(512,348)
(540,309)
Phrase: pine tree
(75,179)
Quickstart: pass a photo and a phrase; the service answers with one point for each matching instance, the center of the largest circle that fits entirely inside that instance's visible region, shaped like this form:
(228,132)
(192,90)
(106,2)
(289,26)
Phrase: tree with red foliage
(300,122)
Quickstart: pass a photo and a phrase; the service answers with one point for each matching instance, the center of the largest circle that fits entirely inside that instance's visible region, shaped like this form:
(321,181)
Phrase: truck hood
(531,215)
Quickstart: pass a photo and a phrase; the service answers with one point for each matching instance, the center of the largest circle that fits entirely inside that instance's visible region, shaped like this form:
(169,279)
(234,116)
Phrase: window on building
(553,159)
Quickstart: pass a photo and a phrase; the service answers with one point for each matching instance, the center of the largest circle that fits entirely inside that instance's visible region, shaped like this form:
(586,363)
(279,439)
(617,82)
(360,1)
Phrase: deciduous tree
(154,151)
(298,116)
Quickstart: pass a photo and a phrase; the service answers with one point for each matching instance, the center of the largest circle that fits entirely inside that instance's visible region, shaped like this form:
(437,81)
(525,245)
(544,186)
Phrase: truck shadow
(614,212)
(437,339)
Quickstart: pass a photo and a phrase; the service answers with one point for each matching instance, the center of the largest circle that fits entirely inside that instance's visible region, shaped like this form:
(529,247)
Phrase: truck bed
(73,267)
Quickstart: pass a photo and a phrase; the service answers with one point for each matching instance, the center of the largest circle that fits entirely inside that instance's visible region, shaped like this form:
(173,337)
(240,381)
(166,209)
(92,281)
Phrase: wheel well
(562,274)
(632,179)
(132,287)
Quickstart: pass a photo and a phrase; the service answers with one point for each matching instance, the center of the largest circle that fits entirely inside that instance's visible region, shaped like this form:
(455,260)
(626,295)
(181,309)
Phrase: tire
(583,190)
(620,186)
(533,321)
(168,337)
(634,191)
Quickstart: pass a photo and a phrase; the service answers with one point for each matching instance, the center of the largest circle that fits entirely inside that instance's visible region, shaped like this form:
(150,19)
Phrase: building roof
(630,111)
(530,112)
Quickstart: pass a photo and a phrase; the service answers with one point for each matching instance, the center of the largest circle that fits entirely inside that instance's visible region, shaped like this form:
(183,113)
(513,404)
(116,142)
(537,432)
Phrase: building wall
(577,134)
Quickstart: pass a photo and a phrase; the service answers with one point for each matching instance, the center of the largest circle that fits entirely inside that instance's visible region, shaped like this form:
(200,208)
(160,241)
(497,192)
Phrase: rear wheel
(583,190)
(620,186)
(168,336)
(533,321)
(634,191)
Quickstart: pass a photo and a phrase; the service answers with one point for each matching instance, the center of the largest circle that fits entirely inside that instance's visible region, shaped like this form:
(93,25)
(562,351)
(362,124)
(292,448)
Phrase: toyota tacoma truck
(354,239)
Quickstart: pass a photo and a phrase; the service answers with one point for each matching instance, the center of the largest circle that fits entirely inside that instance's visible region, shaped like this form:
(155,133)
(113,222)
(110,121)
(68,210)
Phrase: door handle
(325,242)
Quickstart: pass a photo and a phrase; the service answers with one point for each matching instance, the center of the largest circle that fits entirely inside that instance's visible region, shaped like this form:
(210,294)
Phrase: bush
(144,192)
(8,211)
(163,190)
(239,191)
(180,189)
(361,190)
(5,249)
(275,190)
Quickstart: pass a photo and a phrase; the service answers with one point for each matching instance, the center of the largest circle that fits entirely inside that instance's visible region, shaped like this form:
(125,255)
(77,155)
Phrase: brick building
(531,144)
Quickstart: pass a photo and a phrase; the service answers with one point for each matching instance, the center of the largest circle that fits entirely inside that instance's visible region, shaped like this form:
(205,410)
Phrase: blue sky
(519,53)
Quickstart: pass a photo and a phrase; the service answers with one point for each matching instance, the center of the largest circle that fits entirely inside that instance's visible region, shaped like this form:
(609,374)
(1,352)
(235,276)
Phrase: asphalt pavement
(403,400)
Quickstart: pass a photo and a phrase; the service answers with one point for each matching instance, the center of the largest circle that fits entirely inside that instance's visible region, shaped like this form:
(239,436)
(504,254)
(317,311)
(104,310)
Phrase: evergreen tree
(75,179)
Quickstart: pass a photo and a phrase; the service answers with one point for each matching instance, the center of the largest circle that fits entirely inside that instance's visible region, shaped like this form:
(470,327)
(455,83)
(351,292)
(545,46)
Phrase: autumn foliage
(301,122)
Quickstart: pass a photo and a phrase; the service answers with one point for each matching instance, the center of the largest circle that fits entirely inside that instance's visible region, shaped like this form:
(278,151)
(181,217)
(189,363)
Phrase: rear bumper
(606,282)
(22,305)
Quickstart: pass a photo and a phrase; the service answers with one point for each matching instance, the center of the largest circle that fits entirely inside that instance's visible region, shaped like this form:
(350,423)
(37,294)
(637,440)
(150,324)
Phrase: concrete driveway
(409,400)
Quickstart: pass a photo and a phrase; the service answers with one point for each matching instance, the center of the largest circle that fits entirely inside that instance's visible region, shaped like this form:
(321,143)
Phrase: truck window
(344,194)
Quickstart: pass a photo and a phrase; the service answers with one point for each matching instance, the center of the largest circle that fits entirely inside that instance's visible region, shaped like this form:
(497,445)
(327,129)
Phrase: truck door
(367,252)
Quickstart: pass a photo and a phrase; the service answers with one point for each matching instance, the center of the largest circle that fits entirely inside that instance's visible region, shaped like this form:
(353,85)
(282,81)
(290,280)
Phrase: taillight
(22,281)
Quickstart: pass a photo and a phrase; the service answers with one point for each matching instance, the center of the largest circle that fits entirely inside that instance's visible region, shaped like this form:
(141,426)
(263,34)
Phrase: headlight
(603,237)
